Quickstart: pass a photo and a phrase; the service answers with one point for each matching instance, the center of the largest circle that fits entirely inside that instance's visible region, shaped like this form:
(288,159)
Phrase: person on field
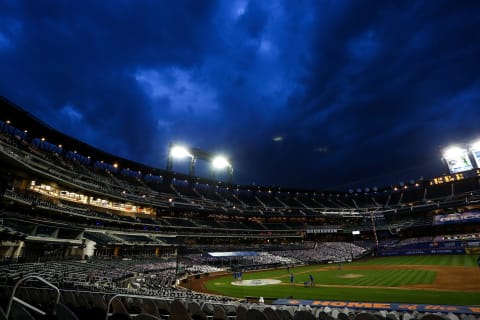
(312,280)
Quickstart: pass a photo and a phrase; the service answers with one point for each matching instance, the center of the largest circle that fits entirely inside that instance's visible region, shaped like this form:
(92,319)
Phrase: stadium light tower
(179,152)
(222,163)
(176,151)
(452,151)
(475,145)
(216,162)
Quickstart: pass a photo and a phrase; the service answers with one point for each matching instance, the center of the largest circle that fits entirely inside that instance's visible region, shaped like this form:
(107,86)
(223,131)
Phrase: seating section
(164,198)
(95,306)
(325,252)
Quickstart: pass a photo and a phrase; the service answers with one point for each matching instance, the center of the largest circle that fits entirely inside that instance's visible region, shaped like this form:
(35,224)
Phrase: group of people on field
(311,281)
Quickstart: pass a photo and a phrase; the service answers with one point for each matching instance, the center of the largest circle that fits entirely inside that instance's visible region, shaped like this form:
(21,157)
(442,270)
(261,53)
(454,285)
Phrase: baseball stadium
(86,234)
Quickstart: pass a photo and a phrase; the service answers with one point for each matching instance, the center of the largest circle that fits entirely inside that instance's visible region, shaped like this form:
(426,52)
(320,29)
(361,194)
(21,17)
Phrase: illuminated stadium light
(220,162)
(475,145)
(176,151)
(453,151)
(457,160)
(215,163)
(179,152)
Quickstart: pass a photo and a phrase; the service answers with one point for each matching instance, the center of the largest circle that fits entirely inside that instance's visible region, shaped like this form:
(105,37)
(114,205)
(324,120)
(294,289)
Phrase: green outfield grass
(427,260)
(373,285)
(381,278)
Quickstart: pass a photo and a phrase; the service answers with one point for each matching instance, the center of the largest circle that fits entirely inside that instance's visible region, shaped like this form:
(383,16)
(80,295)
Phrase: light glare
(179,152)
(453,152)
(220,162)
(475,146)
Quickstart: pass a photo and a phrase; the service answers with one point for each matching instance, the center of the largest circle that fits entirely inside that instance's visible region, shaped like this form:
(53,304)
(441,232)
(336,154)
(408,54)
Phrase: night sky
(306,94)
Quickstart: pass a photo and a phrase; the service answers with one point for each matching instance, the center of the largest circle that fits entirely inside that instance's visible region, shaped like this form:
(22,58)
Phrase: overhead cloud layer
(311,94)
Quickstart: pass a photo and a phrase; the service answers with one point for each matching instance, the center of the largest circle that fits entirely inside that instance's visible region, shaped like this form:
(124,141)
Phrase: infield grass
(363,284)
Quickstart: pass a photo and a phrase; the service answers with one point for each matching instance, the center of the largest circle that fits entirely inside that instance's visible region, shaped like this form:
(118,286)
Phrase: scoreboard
(455,177)
(457,160)
(462,158)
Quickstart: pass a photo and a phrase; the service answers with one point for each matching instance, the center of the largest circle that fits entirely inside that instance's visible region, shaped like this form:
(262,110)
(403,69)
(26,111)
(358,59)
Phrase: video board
(476,154)
(458,161)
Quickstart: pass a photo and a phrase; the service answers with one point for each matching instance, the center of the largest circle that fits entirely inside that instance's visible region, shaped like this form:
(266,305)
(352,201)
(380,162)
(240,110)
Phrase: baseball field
(435,279)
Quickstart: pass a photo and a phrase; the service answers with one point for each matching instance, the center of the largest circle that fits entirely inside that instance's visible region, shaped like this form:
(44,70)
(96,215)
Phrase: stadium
(88,235)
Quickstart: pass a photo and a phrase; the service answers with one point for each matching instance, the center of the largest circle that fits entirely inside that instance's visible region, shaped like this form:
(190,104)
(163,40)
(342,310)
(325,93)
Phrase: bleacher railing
(26,304)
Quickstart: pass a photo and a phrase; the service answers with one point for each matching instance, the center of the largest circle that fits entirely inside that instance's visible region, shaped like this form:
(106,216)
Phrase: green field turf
(381,278)
(373,283)
(430,260)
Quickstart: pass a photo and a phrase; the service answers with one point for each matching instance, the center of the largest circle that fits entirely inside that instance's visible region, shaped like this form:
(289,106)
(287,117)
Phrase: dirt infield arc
(451,278)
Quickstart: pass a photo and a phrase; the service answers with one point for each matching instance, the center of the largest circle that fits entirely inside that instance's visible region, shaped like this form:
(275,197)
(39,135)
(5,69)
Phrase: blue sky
(307,94)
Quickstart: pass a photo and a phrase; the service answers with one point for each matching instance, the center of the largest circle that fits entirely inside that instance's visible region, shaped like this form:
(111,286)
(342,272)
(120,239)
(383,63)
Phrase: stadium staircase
(261,202)
(281,202)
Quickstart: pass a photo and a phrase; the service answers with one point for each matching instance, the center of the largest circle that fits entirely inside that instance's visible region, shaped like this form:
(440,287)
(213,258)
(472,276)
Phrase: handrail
(13,298)
(119,295)
(140,297)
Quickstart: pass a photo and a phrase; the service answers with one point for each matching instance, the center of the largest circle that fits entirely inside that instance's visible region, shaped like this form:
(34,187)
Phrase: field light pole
(374,230)
(217,162)
(180,152)
(230,174)
(221,163)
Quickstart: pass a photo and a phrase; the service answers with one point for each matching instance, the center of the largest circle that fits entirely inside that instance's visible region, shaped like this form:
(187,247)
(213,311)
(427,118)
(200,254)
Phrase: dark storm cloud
(360,93)
(385,77)
(84,56)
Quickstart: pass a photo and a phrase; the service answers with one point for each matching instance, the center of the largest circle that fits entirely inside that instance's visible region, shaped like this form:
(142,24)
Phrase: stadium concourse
(88,235)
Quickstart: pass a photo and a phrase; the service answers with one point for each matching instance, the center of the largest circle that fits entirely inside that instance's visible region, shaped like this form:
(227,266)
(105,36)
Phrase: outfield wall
(408,307)
(438,246)
(404,252)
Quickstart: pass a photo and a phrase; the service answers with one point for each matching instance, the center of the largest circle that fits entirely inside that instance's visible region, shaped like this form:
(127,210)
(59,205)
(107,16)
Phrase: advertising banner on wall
(454,218)
(381,306)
